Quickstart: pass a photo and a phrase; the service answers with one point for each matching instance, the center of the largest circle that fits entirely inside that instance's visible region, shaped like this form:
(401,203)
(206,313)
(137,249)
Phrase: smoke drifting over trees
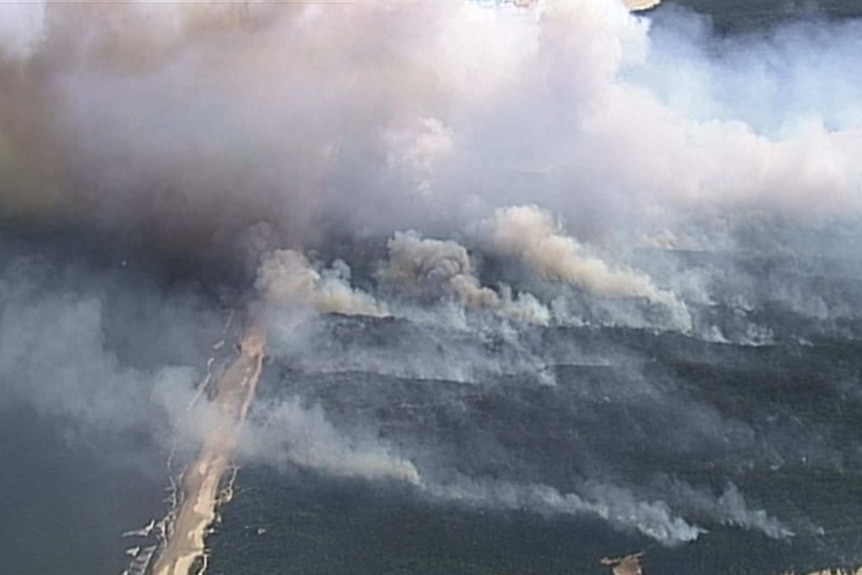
(476,180)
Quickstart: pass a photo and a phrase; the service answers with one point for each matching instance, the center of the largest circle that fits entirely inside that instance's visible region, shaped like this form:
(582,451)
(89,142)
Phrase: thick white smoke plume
(285,277)
(529,233)
(382,116)
(422,266)
(435,265)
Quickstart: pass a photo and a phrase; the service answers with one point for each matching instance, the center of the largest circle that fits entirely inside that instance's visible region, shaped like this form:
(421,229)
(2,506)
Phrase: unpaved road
(234,394)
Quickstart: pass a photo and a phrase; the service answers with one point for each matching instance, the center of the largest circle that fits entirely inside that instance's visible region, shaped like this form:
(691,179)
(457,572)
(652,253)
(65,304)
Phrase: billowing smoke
(532,235)
(415,115)
(435,265)
(424,267)
(529,233)
(285,277)
(483,183)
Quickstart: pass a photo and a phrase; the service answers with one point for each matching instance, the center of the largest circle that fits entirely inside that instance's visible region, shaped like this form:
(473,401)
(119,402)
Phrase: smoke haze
(462,225)
(208,119)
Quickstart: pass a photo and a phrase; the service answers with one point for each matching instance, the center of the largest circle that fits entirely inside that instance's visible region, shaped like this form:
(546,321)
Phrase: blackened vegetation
(653,411)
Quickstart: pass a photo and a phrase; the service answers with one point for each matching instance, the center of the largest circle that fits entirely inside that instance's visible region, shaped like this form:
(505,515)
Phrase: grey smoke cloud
(194,124)
(368,370)
(105,355)
(615,505)
(435,265)
(421,267)
(287,431)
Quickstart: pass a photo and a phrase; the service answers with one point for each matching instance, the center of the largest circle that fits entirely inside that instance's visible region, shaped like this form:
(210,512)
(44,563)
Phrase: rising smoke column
(531,234)
(421,266)
(429,264)
(285,277)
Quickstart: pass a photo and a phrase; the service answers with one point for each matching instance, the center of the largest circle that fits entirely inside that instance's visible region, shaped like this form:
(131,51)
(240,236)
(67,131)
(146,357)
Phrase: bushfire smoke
(483,182)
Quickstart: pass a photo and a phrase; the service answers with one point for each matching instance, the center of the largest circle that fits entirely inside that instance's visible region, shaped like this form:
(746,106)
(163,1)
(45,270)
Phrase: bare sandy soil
(628,565)
(641,4)
(185,545)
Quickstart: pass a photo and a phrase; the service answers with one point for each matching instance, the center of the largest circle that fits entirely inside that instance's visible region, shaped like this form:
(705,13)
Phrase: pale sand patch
(200,484)
(628,565)
(636,5)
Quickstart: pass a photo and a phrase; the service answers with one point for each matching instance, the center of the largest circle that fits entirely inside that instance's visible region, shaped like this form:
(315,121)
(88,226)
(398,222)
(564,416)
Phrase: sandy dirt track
(185,545)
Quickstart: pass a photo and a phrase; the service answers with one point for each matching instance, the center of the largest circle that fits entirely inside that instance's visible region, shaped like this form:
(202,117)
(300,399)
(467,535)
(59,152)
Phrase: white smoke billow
(450,106)
(420,151)
(422,263)
(286,277)
(21,28)
(531,234)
